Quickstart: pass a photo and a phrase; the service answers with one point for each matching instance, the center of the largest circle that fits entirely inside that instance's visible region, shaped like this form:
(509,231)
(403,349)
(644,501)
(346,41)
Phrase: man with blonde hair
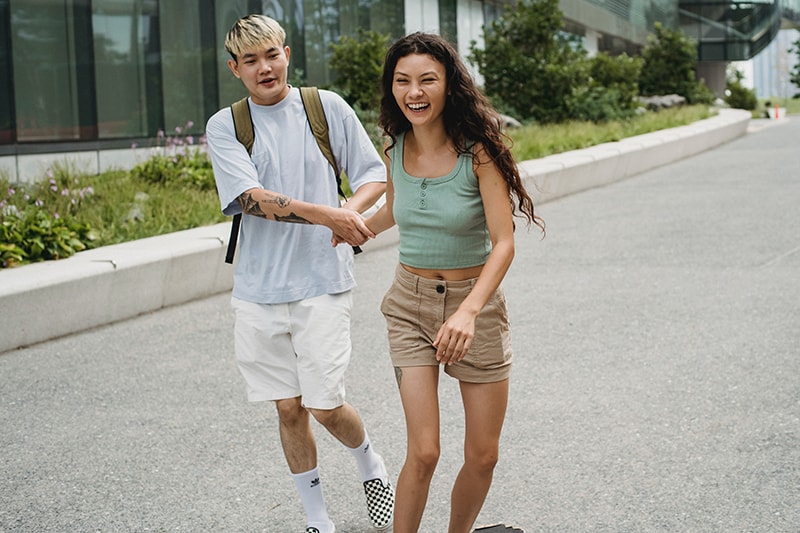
(292,283)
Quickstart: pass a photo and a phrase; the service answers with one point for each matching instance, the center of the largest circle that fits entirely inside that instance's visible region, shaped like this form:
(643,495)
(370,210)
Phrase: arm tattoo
(251,206)
(291,217)
(398,374)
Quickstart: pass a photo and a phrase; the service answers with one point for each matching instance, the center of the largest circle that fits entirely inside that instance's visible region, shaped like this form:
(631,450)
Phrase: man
(291,293)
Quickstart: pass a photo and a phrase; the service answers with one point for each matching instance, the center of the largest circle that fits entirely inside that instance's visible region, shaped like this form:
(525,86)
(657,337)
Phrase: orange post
(777,112)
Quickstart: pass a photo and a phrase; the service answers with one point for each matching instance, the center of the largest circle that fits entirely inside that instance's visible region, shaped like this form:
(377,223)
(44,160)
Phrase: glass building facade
(92,75)
(104,70)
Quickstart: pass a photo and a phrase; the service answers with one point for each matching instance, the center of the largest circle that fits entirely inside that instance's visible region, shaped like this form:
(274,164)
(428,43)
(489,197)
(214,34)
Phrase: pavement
(656,384)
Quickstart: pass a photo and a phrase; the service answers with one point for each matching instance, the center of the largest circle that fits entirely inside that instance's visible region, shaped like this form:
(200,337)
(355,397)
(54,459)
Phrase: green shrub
(670,58)
(179,161)
(38,222)
(530,67)
(795,74)
(611,91)
(737,95)
(358,64)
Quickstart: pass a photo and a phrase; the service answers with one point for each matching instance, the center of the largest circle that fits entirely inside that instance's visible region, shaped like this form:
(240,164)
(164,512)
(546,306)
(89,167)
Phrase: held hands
(454,338)
(348,227)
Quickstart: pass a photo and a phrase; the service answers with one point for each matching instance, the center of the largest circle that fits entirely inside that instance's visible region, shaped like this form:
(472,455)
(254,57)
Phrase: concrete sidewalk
(656,385)
(47,300)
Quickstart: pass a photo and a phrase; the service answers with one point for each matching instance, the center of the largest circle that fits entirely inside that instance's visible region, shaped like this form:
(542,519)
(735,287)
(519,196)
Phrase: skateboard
(498,528)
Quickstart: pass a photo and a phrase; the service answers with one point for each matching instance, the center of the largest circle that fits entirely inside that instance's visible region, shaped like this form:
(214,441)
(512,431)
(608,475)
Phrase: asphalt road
(657,382)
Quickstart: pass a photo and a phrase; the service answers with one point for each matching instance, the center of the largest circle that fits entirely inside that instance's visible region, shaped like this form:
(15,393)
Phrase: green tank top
(441,220)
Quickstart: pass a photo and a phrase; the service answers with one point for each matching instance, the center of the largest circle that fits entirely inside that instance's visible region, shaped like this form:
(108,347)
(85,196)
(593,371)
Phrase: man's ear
(288,52)
(234,66)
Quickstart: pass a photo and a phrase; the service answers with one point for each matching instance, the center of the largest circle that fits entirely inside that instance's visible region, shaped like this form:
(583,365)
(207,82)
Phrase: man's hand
(348,227)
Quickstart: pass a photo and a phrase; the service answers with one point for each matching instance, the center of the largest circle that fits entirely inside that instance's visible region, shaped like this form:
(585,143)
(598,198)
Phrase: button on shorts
(415,308)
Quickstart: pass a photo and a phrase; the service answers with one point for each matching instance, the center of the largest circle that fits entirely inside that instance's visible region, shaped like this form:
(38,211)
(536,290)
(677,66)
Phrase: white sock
(369,463)
(310,489)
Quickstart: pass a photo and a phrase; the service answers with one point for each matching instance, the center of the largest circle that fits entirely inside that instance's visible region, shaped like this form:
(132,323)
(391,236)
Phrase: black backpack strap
(245,134)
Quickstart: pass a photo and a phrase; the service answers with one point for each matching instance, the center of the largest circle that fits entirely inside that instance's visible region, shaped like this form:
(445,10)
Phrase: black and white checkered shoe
(312,529)
(498,528)
(380,503)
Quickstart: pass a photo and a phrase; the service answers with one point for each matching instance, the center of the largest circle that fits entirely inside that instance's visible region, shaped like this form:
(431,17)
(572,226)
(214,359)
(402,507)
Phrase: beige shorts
(415,308)
(295,349)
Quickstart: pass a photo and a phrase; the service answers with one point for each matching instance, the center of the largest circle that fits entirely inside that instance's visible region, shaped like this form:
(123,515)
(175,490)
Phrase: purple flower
(11,191)
(38,203)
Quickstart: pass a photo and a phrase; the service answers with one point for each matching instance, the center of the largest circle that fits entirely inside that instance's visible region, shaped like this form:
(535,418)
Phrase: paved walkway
(656,388)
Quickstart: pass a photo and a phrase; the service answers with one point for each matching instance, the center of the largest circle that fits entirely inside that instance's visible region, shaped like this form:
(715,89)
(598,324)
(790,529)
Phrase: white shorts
(295,349)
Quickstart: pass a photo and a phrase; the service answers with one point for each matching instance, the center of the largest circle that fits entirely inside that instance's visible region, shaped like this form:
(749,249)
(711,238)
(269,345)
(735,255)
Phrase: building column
(713,73)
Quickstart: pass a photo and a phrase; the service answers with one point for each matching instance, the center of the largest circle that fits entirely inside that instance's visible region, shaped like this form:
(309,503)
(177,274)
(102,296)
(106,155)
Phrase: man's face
(264,72)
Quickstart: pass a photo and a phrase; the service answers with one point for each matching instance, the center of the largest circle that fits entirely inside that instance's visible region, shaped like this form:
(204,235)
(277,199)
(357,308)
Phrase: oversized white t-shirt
(280,261)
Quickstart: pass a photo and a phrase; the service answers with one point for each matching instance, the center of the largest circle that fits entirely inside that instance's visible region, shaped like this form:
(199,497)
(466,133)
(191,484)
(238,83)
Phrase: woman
(451,190)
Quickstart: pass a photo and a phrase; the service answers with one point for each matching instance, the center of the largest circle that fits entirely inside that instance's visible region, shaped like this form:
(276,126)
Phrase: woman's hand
(454,338)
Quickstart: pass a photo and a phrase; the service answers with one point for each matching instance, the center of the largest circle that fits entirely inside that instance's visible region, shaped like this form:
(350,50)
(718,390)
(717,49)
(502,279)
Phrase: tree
(611,90)
(529,66)
(669,65)
(358,63)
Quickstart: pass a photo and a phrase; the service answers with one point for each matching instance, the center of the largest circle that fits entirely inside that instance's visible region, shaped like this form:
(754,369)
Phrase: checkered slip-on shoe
(380,503)
(312,529)
(498,528)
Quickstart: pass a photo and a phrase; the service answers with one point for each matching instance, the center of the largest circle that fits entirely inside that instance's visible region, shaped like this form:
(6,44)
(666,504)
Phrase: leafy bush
(181,161)
(611,91)
(670,58)
(358,64)
(795,74)
(69,211)
(38,223)
(530,67)
(737,95)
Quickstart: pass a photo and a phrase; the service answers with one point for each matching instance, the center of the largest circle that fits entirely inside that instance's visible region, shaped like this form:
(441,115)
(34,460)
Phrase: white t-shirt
(280,261)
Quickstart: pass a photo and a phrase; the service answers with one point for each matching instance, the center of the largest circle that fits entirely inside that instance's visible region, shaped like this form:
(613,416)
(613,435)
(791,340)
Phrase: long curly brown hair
(468,115)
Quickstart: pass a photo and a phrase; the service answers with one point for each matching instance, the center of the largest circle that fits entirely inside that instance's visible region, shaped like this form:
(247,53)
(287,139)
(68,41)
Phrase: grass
(119,206)
(534,141)
(792,106)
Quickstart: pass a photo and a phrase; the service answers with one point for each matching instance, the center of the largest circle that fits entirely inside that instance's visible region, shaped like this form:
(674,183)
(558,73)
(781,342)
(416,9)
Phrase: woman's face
(419,87)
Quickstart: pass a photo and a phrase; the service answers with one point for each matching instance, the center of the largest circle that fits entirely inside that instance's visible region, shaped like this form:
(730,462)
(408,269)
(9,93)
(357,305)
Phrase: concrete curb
(46,300)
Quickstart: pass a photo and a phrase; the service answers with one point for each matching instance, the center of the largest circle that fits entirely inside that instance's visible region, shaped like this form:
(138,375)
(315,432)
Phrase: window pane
(6,91)
(127,67)
(45,83)
(182,65)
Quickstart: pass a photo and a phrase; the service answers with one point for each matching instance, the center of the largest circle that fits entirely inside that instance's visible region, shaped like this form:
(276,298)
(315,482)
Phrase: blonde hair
(253,31)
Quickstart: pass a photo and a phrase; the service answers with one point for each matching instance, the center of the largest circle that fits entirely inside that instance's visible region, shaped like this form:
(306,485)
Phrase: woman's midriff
(455,274)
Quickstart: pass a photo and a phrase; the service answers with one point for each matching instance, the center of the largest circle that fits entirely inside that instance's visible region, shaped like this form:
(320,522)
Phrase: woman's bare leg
(484,411)
(420,397)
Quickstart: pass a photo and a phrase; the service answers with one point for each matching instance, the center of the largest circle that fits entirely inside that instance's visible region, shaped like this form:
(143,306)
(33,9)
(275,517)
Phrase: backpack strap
(319,127)
(245,134)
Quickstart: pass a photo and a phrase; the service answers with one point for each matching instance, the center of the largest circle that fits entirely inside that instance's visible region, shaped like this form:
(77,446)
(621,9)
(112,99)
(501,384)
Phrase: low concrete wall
(570,172)
(46,300)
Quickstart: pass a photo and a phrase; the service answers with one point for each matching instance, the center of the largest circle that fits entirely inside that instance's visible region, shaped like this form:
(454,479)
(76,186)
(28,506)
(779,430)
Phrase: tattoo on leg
(398,375)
